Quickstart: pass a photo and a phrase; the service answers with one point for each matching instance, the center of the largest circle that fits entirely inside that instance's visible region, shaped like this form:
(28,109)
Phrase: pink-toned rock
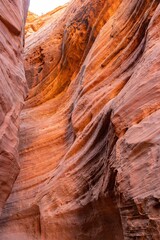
(12,90)
(90,131)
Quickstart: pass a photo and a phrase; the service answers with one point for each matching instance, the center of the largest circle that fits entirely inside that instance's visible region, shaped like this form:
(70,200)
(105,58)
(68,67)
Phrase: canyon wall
(13,88)
(90,128)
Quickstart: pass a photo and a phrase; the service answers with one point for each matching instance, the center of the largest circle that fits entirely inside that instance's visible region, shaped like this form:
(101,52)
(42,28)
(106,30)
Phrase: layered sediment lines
(13,89)
(89,131)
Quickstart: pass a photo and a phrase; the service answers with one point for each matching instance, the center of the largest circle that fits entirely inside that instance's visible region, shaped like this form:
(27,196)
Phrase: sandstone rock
(12,90)
(89,131)
(34,22)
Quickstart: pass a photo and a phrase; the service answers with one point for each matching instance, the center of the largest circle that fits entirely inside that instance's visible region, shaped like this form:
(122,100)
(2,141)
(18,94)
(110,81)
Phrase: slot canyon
(80,121)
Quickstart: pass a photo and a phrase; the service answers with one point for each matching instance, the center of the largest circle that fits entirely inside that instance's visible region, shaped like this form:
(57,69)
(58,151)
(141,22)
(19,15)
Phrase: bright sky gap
(43,6)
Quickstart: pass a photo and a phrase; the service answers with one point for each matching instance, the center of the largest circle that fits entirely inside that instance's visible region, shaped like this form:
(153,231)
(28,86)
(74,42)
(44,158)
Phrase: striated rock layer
(89,132)
(12,90)
(34,22)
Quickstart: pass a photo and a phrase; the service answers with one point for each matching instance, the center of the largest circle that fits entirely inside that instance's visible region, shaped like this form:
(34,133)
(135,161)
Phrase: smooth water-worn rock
(13,89)
(90,128)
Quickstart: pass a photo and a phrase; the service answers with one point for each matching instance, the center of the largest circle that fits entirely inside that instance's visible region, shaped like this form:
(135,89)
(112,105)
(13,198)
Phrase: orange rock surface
(90,129)
(34,22)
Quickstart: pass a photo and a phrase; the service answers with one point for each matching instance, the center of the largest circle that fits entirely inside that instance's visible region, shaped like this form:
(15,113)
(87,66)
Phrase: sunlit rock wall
(89,132)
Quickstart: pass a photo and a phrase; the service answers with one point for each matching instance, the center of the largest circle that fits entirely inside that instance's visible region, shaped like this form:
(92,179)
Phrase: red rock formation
(12,90)
(34,22)
(89,132)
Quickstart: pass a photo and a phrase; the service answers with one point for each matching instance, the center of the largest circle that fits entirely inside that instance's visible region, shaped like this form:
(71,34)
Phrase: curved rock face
(12,90)
(34,22)
(90,128)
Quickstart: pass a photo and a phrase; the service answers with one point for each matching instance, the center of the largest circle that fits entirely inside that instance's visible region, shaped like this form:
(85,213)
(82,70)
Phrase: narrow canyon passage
(89,129)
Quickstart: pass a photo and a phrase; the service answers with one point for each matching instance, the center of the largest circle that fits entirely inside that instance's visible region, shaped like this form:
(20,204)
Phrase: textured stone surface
(34,22)
(12,90)
(90,128)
